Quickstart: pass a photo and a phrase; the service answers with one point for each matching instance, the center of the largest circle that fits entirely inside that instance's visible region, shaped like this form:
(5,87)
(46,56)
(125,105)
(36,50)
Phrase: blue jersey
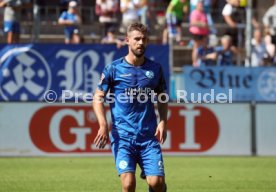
(69,17)
(202,52)
(225,58)
(132,118)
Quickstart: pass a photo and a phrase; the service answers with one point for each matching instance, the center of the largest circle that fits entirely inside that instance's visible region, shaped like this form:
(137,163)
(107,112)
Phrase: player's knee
(157,184)
(128,182)
(128,186)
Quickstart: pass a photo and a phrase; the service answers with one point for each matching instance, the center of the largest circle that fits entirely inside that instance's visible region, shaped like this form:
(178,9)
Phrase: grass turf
(183,174)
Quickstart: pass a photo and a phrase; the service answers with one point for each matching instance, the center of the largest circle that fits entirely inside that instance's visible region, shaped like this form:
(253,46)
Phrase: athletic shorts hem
(155,174)
(126,171)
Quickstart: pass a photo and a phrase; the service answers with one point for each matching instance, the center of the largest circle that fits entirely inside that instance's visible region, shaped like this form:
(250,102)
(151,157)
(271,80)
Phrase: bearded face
(137,43)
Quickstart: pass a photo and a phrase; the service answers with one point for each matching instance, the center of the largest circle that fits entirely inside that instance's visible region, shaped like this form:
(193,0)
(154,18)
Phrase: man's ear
(127,40)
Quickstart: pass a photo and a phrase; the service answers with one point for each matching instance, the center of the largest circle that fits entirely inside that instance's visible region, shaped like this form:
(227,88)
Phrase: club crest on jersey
(150,74)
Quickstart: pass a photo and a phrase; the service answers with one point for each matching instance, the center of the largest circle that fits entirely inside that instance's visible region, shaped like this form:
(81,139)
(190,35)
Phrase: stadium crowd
(213,29)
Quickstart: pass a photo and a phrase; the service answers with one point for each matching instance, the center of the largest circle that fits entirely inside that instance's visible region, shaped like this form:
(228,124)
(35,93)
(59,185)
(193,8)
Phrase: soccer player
(134,128)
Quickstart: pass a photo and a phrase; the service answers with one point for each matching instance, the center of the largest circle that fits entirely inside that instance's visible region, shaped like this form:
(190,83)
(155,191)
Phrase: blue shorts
(147,155)
(70,32)
(11,26)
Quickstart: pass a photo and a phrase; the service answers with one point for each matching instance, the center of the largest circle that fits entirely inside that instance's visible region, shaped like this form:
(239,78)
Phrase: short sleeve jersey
(131,87)
(69,17)
(178,8)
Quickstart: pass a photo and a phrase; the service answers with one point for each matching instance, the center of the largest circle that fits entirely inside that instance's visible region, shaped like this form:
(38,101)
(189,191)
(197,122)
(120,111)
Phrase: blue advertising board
(28,70)
(245,84)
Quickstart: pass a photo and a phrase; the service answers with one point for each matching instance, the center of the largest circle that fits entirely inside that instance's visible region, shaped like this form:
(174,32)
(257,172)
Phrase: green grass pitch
(183,174)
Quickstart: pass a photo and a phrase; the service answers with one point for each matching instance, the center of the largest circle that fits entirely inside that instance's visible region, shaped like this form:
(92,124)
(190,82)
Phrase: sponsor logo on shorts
(123,164)
(160,165)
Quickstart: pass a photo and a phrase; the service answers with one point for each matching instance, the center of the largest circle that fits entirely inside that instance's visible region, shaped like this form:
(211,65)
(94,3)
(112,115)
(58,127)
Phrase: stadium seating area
(50,32)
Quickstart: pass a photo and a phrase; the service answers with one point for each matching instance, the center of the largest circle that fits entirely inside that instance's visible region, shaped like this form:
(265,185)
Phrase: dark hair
(137,27)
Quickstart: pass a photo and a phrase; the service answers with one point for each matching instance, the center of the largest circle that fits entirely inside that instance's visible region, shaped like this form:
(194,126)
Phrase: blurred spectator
(220,55)
(198,28)
(174,15)
(207,4)
(129,10)
(107,11)
(142,11)
(270,47)
(71,20)
(63,4)
(226,52)
(205,55)
(12,10)
(111,38)
(255,13)
(234,16)
(269,21)
(259,54)
(218,6)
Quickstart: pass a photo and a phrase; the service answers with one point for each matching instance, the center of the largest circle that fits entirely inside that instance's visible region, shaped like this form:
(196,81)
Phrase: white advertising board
(41,129)
(266,129)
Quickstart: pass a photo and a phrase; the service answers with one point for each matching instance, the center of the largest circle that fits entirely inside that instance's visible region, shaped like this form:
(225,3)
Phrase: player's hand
(102,137)
(162,131)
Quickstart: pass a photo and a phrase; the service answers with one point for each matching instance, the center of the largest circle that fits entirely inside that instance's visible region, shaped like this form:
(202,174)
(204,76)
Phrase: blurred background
(218,58)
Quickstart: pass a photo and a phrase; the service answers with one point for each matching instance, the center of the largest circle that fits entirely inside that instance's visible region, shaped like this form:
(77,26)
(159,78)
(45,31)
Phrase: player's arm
(163,111)
(162,106)
(102,137)
(98,104)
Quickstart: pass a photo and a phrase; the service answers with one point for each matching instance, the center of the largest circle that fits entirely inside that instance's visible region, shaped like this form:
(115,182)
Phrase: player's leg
(151,163)
(125,160)
(156,183)
(128,182)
